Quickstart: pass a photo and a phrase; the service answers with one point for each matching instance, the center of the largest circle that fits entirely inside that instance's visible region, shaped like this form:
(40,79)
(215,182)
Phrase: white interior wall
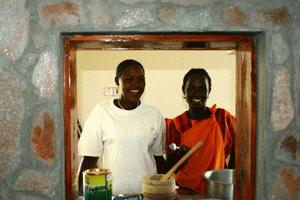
(164,75)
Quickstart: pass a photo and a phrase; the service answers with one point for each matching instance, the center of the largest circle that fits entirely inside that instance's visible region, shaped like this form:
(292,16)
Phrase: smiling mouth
(196,100)
(134,91)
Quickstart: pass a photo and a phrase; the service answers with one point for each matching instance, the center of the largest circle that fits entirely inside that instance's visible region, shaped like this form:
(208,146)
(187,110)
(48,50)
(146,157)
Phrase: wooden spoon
(182,160)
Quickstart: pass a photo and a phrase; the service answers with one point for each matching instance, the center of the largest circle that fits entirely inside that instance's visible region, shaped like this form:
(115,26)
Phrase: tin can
(97,184)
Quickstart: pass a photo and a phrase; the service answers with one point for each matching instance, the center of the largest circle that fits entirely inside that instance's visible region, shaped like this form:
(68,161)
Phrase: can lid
(96,171)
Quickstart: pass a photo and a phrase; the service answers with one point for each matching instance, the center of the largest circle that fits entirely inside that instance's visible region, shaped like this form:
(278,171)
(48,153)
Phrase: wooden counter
(197,196)
(180,197)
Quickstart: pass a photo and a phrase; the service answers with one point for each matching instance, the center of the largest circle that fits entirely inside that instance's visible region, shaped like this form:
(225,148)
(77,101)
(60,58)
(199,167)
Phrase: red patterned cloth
(217,134)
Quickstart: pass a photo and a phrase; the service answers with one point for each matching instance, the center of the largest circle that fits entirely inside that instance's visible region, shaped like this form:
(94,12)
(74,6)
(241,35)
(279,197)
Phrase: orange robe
(210,156)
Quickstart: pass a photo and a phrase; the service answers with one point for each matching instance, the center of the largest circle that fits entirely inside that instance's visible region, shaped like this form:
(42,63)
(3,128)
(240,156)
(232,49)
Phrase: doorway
(245,91)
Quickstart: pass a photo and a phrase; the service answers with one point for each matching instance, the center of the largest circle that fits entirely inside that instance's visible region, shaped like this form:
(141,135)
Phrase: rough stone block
(45,74)
(100,14)
(62,14)
(11,117)
(282,104)
(234,17)
(14,28)
(33,180)
(132,17)
(280,49)
(287,148)
(274,19)
(43,139)
(167,14)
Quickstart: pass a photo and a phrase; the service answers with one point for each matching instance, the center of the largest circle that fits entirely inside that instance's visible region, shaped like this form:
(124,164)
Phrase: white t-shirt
(125,141)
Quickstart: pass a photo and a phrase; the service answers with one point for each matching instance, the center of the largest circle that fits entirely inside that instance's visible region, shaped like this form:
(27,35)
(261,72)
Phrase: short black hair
(127,63)
(197,72)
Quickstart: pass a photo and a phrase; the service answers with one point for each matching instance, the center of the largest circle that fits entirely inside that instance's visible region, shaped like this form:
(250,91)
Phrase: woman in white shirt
(126,134)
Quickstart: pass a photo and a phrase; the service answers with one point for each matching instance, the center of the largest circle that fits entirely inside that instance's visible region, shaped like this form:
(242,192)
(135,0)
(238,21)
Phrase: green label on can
(97,186)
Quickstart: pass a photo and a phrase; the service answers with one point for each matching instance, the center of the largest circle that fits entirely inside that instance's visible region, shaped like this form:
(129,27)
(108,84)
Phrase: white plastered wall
(164,74)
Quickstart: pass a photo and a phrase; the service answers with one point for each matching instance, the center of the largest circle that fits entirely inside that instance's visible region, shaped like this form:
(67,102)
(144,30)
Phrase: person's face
(132,83)
(196,91)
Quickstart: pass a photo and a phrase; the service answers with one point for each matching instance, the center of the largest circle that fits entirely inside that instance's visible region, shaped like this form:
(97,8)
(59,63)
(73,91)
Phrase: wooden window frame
(242,43)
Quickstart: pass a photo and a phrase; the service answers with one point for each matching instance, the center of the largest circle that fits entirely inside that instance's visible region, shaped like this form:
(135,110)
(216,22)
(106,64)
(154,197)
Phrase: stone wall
(31,81)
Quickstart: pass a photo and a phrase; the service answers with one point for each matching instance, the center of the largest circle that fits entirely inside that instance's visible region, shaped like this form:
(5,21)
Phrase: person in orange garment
(214,126)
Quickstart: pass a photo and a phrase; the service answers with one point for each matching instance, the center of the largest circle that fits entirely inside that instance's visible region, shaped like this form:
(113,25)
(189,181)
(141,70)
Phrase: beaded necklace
(138,103)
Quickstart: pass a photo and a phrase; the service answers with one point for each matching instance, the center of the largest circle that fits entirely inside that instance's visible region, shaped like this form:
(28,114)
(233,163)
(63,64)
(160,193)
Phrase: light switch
(110,91)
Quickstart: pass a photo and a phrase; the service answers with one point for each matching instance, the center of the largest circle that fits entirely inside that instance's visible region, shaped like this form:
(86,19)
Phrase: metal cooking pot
(219,183)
